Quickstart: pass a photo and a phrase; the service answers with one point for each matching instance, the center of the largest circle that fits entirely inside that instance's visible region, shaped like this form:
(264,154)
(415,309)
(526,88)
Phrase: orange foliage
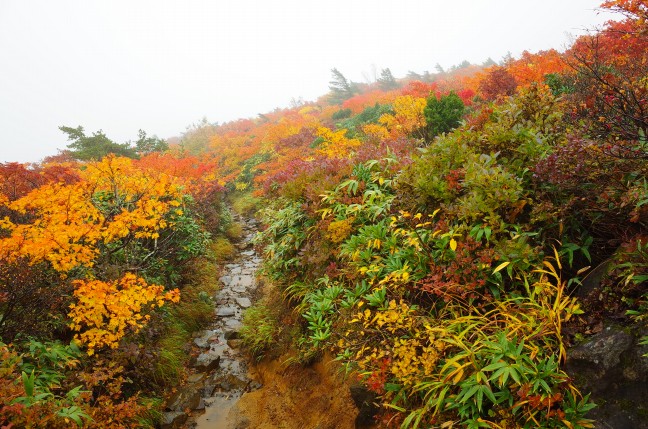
(113,200)
(360,102)
(531,68)
(106,311)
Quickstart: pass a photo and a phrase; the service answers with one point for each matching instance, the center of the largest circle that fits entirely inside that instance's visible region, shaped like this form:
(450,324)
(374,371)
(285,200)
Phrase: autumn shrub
(33,301)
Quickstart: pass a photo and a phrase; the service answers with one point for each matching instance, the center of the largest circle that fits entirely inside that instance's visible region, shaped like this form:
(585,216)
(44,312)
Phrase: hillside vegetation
(431,232)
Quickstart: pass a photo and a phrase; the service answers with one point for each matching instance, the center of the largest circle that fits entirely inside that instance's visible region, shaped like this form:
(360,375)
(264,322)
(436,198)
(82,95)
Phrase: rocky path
(220,371)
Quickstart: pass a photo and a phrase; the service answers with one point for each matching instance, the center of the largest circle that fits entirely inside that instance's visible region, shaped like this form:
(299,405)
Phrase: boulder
(208,361)
(173,419)
(187,398)
(610,365)
(367,409)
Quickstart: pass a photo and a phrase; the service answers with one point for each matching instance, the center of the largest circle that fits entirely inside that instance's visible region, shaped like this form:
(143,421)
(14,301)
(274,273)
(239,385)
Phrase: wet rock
(185,398)
(173,419)
(207,361)
(367,409)
(239,289)
(203,340)
(226,311)
(226,280)
(232,325)
(246,281)
(610,366)
(243,302)
(201,405)
(195,378)
(599,355)
(231,334)
(248,253)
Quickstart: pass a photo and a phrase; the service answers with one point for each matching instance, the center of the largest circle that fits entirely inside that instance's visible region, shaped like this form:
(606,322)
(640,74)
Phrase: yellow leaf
(501,266)
(453,244)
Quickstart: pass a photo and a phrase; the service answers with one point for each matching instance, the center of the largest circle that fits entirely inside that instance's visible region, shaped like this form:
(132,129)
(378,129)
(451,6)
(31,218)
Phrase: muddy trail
(226,390)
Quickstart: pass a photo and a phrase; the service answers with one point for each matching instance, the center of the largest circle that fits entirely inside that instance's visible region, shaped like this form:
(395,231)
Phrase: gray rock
(207,362)
(243,302)
(232,325)
(226,312)
(173,419)
(186,398)
(610,366)
(604,349)
(248,253)
(226,280)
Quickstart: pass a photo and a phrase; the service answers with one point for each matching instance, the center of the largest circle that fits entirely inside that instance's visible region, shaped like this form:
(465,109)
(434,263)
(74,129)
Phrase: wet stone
(207,361)
(173,419)
(195,378)
(226,312)
(248,253)
(185,398)
(203,340)
(226,280)
(233,324)
(243,302)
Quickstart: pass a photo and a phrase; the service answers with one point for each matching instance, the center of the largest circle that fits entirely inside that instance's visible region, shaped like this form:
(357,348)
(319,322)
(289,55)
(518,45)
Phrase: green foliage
(222,249)
(44,392)
(245,204)
(341,114)
(145,145)
(95,147)
(370,115)
(341,88)
(283,238)
(442,114)
(386,80)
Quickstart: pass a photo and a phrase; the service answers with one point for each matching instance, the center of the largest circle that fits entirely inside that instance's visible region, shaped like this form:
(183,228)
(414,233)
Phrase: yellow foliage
(106,311)
(339,230)
(375,132)
(336,144)
(408,115)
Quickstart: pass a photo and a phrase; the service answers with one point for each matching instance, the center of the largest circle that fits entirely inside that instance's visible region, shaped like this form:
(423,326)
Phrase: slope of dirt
(314,397)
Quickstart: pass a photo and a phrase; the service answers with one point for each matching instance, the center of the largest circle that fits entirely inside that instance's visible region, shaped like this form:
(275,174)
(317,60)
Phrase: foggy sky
(162,65)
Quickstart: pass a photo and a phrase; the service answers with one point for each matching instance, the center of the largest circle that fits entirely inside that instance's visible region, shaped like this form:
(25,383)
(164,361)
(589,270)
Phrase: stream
(220,371)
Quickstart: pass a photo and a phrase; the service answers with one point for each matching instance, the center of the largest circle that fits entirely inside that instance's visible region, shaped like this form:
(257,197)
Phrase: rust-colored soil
(315,397)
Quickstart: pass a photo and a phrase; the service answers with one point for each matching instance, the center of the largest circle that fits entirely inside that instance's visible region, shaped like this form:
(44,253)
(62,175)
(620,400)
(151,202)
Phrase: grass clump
(260,329)
(234,231)
(245,204)
(222,249)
